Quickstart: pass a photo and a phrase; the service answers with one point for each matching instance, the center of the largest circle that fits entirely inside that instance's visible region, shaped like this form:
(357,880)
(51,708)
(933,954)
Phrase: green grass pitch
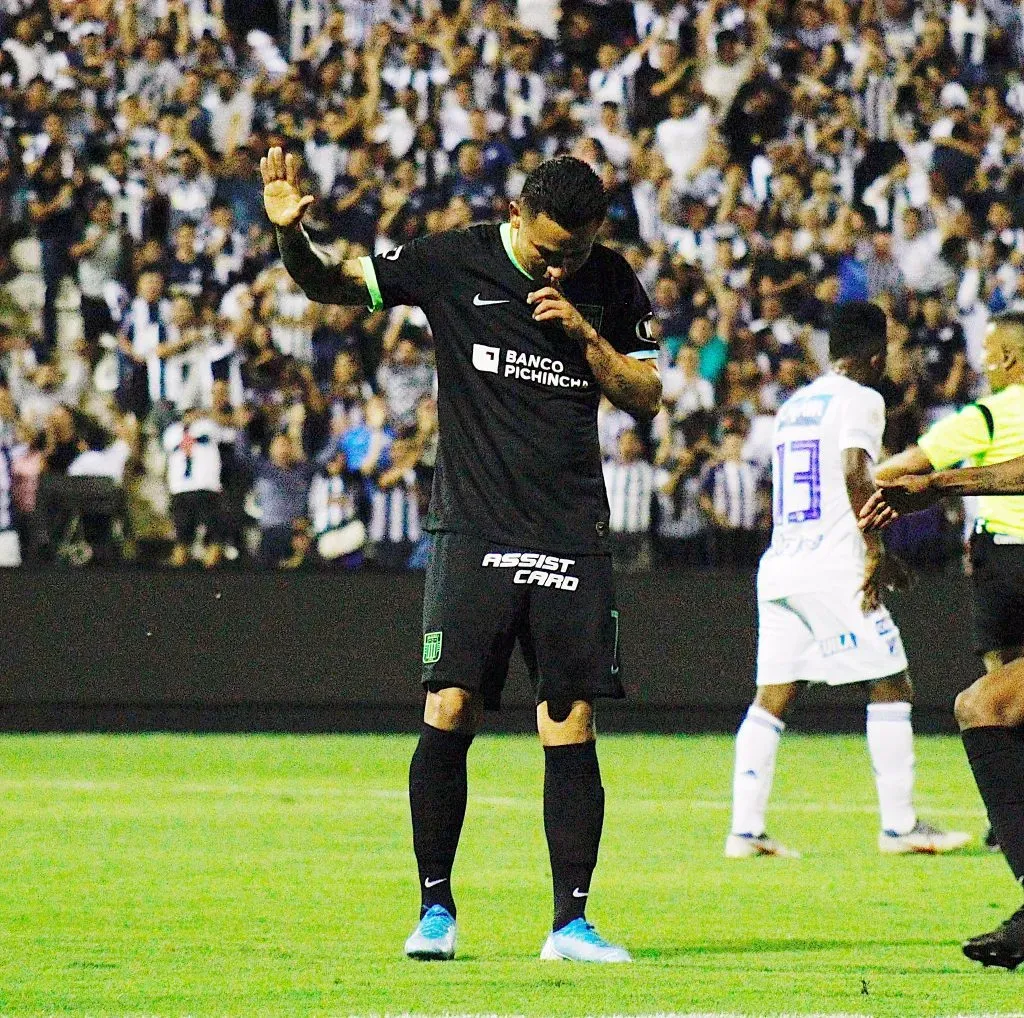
(266,876)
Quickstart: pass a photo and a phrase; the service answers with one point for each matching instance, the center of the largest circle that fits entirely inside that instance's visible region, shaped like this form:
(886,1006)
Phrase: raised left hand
(551,305)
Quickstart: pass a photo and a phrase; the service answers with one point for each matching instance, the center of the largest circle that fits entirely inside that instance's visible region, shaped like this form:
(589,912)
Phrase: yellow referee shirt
(986,432)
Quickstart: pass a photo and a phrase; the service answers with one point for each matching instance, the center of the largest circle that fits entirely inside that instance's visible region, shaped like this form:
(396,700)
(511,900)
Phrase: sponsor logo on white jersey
(803,411)
(838,644)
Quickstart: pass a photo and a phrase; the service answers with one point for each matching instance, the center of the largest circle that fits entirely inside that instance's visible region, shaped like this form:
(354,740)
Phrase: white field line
(702,1014)
(666,1014)
(660,1014)
(299,789)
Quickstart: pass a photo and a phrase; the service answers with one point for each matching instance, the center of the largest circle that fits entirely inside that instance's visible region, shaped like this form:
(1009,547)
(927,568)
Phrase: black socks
(573,817)
(437,797)
(996,756)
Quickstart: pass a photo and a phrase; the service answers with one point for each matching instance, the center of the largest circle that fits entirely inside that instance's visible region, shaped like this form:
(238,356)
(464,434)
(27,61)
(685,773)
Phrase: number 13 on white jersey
(796,481)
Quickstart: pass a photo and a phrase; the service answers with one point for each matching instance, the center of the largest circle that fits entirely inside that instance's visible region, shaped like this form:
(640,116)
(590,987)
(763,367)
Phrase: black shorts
(480,598)
(192,508)
(998,577)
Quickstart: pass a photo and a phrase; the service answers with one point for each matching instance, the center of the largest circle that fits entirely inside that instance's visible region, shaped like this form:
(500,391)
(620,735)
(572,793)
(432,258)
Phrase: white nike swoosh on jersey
(433,883)
(479,302)
(577,893)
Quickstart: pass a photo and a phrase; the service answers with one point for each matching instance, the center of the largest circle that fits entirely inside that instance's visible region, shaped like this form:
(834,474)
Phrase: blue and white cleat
(748,846)
(434,936)
(579,941)
(922,839)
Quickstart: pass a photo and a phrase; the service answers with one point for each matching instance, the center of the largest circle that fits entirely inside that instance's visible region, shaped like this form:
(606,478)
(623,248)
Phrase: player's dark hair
(857,329)
(567,190)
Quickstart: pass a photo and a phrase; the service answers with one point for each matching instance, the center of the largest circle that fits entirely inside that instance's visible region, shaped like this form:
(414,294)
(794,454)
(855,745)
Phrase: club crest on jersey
(593,314)
(432,647)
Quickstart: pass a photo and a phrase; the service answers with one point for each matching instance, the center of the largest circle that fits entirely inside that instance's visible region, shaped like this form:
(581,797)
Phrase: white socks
(757,743)
(891,745)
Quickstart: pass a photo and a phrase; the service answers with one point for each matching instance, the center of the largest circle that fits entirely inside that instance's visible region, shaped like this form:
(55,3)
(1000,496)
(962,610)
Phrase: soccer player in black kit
(532,322)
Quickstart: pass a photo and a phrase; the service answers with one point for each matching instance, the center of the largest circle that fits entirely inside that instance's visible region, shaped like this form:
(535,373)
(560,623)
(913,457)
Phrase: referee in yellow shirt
(991,712)
(987,432)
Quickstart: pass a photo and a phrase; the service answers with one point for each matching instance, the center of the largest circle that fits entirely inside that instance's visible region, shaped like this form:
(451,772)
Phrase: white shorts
(10,549)
(826,638)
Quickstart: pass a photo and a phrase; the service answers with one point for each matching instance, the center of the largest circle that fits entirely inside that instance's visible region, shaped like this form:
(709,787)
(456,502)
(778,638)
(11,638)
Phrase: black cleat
(1003,946)
(991,841)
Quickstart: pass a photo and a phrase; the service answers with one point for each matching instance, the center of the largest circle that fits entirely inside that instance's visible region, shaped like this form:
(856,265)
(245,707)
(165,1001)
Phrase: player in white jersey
(820,618)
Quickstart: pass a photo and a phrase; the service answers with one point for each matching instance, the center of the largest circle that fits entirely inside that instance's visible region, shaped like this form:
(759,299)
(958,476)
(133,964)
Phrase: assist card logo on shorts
(431,648)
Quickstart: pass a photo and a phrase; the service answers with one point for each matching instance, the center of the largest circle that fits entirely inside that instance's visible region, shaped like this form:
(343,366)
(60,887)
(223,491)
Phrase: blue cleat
(434,936)
(579,941)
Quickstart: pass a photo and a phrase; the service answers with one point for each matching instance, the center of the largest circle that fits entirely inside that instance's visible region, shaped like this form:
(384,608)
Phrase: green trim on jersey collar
(506,239)
(372,286)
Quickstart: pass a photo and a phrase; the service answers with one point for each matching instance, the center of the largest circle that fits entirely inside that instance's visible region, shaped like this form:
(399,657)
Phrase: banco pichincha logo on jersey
(525,367)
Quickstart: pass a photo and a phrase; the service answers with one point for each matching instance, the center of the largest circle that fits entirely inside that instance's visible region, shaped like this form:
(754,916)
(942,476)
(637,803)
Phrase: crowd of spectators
(169,394)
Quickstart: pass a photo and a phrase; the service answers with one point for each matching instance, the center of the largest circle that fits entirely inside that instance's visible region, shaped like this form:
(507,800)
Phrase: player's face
(545,249)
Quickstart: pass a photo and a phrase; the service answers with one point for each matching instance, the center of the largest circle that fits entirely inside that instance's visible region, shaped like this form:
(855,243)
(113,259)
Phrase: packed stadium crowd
(170,394)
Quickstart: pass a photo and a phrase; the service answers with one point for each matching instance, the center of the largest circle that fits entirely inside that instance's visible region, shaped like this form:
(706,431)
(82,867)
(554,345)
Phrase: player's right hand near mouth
(284,202)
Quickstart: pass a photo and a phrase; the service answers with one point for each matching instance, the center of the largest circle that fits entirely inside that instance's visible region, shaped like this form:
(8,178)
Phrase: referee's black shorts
(480,598)
(998,576)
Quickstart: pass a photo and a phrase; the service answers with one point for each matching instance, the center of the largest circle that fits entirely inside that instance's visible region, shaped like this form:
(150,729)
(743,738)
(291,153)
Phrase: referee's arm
(908,482)
(911,461)
(912,493)
(1005,478)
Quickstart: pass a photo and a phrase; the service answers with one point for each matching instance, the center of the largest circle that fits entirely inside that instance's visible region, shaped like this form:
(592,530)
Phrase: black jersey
(518,460)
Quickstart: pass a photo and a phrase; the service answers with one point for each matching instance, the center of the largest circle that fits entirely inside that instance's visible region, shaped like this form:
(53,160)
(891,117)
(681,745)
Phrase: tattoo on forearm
(627,382)
(1000,479)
